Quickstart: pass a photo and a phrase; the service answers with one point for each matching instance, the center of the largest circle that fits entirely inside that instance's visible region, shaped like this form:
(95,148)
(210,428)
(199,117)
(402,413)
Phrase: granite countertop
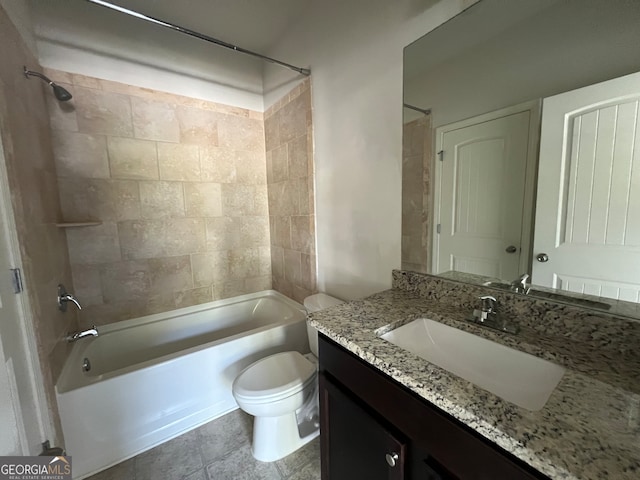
(588,429)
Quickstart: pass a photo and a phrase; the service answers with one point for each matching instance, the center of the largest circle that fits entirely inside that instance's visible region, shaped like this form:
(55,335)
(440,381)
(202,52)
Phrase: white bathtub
(156,377)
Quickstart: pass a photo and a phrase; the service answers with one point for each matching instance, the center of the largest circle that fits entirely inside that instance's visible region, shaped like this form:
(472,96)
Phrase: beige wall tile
(210,268)
(161,199)
(244,263)
(194,296)
(302,234)
(254,231)
(240,133)
(84,81)
(198,126)
(123,310)
(203,199)
(161,238)
(230,288)
(300,293)
(218,164)
(62,114)
(179,162)
(277,261)
(80,154)
(293,119)
(308,272)
(99,199)
(224,233)
(257,284)
(271,133)
(297,155)
(281,233)
(87,286)
(264,259)
(241,200)
(91,245)
(250,167)
(142,279)
(279,164)
(154,120)
(131,158)
(292,266)
(103,112)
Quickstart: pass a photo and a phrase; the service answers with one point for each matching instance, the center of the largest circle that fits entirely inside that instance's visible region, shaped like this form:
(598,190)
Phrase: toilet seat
(274,378)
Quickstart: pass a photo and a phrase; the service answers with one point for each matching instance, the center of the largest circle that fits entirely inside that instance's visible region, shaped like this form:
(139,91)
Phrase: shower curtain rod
(201,36)
(417,109)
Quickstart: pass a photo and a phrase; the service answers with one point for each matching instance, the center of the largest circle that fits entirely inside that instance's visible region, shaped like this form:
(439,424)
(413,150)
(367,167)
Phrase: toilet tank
(315,303)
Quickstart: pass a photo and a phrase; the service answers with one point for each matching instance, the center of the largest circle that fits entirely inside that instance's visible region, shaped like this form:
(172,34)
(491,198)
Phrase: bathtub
(156,377)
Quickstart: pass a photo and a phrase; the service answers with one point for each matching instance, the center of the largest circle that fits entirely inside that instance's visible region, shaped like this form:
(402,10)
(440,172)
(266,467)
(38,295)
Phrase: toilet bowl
(281,392)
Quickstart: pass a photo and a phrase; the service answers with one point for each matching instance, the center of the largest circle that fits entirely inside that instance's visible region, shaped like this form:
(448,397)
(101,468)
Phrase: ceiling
(252,24)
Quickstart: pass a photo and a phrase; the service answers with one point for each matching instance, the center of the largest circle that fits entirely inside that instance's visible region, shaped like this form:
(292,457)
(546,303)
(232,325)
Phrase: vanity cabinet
(374,428)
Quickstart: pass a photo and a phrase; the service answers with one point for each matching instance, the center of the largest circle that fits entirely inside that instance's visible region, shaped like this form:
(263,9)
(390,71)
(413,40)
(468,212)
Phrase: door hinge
(441,155)
(16,279)
(438,227)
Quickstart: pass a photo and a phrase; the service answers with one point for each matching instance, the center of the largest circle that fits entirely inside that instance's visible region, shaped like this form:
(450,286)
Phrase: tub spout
(90,332)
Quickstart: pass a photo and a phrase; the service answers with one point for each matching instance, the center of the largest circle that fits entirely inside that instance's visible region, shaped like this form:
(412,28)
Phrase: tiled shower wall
(417,158)
(26,142)
(290,175)
(180,188)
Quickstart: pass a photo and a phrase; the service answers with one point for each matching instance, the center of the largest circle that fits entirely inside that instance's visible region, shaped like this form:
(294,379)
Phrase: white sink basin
(515,376)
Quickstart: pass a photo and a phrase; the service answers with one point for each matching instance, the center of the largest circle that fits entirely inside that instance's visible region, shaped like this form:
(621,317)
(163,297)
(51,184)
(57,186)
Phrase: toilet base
(276,437)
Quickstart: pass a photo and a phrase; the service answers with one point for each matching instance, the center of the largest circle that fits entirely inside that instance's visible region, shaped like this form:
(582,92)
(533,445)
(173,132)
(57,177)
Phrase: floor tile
(240,465)
(311,471)
(199,475)
(172,460)
(121,471)
(225,434)
(301,457)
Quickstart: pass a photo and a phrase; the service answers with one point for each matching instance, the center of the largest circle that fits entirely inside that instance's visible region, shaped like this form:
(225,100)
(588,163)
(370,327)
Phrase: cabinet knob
(391,458)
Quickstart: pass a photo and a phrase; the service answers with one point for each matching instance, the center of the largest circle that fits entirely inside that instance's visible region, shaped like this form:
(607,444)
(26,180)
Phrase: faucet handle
(489,303)
(64,297)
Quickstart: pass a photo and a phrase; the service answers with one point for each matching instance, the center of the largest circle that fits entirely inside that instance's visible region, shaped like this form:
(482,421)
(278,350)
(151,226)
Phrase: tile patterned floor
(219,450)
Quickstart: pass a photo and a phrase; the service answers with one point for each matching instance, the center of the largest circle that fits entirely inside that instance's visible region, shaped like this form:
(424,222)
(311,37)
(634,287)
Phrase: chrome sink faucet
(519,285)
(90,332)
(488,316)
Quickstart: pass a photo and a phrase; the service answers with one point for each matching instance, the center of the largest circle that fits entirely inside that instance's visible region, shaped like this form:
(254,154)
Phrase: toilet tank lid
(320,301)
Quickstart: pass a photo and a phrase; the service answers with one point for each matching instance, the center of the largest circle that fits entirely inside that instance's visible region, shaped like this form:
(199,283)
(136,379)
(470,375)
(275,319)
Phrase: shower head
(61,94)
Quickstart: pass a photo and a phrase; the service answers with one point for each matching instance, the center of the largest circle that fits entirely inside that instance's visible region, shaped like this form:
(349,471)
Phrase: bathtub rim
(65,382)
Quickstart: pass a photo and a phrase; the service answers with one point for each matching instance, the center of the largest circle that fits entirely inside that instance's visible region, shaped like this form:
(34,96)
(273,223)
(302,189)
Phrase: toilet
(281,392)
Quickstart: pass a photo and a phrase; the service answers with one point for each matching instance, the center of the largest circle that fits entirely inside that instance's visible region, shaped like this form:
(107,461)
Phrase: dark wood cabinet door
(355,444)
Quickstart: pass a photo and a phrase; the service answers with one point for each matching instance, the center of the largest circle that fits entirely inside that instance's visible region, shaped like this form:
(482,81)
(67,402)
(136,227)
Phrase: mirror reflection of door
(590,153)
(480,195)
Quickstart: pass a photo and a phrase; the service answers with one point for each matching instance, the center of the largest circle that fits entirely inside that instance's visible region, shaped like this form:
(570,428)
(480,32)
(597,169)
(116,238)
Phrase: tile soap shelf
(77,224)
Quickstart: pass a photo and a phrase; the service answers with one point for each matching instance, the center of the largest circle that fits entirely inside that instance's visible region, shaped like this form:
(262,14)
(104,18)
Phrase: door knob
(542,257)
(391,458)
(511,249)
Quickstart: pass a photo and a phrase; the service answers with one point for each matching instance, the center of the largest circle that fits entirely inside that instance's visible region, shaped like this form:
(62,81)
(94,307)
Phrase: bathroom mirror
(484,95)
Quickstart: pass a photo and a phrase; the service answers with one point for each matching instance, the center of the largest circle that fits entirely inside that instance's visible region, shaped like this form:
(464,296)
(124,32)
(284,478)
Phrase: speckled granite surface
(589,428)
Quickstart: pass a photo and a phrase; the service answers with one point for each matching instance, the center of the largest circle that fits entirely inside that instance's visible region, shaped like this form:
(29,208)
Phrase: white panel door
(588,204)
(481,197)
(22,429)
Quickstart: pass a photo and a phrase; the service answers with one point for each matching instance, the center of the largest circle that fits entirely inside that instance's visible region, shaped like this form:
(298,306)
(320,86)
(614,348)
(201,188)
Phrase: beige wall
(180,188)
(290,174)
(26,140)
(417,159)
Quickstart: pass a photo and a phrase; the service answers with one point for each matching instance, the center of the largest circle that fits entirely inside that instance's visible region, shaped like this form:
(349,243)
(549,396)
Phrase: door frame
(27,332)
(531,173)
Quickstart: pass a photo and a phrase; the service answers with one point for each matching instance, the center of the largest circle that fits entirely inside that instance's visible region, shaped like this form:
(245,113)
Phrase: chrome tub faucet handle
(64,297)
